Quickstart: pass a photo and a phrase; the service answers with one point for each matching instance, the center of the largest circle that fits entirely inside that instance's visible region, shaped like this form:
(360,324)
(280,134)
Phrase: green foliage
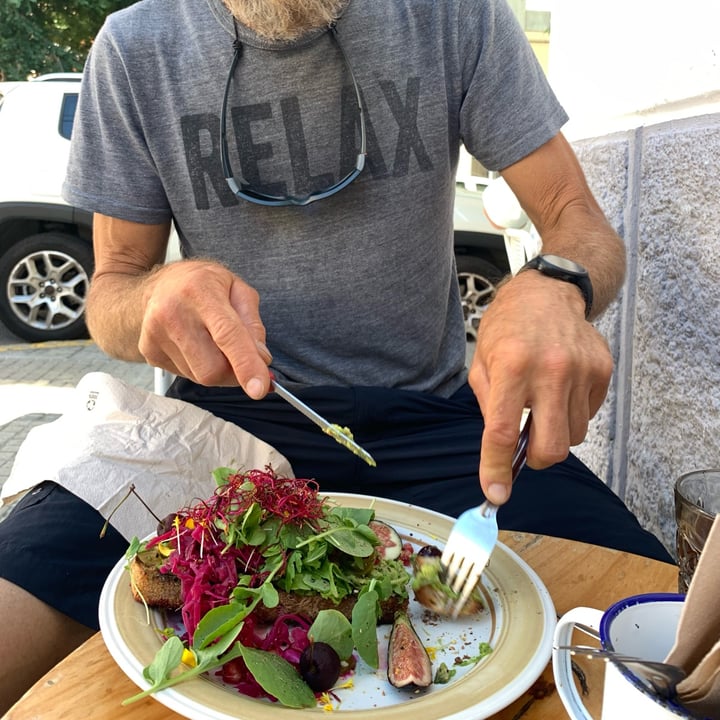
(44,36)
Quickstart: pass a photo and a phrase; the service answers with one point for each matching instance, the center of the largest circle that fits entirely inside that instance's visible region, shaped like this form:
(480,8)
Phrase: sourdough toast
(149,584)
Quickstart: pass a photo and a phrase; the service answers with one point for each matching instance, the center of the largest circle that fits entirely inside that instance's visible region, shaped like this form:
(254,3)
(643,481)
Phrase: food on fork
(431,589)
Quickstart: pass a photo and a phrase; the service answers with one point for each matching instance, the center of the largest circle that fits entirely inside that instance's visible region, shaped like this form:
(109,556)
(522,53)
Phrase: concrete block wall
(660,187)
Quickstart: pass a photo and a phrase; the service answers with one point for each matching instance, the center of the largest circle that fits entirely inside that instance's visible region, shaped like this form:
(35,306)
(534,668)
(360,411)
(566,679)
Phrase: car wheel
(44,280)
(478,281)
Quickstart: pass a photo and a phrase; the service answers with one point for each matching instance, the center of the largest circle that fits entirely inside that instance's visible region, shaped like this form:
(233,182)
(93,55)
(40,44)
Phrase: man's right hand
(203,323)
(193,318)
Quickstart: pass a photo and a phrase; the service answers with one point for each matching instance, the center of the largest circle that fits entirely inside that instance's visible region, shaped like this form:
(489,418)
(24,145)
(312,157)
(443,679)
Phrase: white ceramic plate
(518,624)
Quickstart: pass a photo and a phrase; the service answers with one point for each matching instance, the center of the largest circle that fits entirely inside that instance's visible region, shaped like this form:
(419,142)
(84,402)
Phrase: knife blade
(338,433)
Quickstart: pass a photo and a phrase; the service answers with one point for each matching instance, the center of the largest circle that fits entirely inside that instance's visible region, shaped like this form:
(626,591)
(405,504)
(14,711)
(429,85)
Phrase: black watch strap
(566,270)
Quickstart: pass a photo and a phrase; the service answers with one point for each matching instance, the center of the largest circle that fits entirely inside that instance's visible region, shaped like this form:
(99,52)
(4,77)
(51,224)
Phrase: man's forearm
(553,191)
(586,237)
(128,258)
(114,313)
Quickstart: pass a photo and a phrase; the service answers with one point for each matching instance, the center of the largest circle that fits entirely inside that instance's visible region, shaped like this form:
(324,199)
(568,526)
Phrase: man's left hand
(535,349)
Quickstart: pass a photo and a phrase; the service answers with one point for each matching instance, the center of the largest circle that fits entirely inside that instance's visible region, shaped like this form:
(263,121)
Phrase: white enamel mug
(643,626)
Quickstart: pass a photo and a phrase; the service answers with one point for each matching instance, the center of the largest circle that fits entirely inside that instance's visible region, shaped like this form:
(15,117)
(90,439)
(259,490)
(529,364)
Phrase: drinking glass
(697,501)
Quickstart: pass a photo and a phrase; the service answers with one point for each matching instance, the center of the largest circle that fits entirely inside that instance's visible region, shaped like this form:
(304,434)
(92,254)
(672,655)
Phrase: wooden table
(89,685)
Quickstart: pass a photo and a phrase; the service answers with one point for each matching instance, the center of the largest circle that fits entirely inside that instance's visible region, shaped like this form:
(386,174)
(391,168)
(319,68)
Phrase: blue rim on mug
(610,614)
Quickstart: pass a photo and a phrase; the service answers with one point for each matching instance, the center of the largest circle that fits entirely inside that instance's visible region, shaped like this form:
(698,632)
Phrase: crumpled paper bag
(697,642)
(114,435)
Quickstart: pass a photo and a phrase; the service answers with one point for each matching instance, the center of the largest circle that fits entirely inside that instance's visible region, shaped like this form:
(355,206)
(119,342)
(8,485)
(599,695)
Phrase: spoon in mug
(662,678)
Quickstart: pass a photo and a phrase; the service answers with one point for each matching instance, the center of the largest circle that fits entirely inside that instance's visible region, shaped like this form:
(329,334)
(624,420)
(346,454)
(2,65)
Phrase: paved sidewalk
(30,378)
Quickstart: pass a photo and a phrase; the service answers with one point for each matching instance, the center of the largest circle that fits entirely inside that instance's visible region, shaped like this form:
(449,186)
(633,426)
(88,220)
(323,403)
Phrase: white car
(46,256)
(45,245)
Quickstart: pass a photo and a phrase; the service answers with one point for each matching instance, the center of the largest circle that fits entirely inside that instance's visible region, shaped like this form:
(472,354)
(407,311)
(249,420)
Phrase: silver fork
(474,537)
(660,677)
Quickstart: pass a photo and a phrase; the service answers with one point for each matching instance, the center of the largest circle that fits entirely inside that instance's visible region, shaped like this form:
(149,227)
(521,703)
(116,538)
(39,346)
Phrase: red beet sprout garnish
(204,537)
(289,499)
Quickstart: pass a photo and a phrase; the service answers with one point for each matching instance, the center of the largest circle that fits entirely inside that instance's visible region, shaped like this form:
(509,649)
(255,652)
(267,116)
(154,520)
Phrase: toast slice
(151,586)
(163,590)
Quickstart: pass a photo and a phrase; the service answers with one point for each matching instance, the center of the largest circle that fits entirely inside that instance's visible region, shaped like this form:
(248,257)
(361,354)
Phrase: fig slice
(408,660)
(390,541)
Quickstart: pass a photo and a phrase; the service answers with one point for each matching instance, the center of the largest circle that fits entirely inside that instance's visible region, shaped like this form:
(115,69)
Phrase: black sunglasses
(242,189)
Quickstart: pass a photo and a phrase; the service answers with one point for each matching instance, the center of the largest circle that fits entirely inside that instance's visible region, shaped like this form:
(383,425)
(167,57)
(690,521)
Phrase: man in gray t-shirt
(313,194)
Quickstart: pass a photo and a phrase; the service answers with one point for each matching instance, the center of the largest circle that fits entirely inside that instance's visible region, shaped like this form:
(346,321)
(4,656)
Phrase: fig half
(408,661)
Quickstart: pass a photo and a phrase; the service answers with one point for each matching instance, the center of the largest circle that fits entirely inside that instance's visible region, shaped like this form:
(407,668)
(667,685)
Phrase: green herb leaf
(444,674)
(164,662)
(269,595)
(290,535)
(333,628)
(207,659)
(135,546)
(351,541)
(484,649)
(251,531)
(364,628)
(217,622)
(278,677)
(221,475)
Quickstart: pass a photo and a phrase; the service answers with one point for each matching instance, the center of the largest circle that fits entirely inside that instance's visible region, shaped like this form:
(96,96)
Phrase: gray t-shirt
(358,288)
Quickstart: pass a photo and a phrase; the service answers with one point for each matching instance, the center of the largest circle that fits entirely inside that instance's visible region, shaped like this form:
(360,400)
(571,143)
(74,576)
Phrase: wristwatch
(561,268)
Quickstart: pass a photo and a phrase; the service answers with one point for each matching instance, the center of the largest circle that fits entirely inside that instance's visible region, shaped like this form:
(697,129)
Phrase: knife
(338,433)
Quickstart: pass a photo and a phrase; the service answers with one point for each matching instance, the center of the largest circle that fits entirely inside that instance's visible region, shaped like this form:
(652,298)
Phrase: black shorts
(50,545)
(427,453)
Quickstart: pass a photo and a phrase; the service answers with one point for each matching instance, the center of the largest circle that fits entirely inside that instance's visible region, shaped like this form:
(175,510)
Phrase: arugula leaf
(290,535)
(278,677)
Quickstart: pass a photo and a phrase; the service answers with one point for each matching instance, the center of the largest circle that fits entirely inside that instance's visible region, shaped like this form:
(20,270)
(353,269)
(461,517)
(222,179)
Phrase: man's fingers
(265,354)
(241,352)
(496,454)
(210,332)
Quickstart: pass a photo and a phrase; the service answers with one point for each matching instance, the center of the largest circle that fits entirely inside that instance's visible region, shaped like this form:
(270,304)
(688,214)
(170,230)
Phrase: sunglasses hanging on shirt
(242,189)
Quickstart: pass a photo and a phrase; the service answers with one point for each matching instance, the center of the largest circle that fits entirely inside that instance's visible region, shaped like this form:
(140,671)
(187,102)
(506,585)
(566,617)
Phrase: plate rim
(175,699)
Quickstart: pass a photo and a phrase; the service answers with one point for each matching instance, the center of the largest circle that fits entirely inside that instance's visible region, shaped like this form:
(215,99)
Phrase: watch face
(564,264)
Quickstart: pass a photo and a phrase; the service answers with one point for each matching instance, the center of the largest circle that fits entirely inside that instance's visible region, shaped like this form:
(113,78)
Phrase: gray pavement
(29,377)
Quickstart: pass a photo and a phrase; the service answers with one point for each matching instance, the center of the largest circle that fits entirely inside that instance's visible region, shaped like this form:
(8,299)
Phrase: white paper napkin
(113,434)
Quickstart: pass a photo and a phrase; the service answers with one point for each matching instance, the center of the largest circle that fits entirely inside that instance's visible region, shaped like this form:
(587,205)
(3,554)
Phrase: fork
(661,677)
(474,537)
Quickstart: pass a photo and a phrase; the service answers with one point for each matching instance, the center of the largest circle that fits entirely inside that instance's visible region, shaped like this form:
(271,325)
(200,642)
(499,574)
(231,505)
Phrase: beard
(284,19)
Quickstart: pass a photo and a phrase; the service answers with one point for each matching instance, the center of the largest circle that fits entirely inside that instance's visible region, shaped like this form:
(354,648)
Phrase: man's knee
(39,636)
